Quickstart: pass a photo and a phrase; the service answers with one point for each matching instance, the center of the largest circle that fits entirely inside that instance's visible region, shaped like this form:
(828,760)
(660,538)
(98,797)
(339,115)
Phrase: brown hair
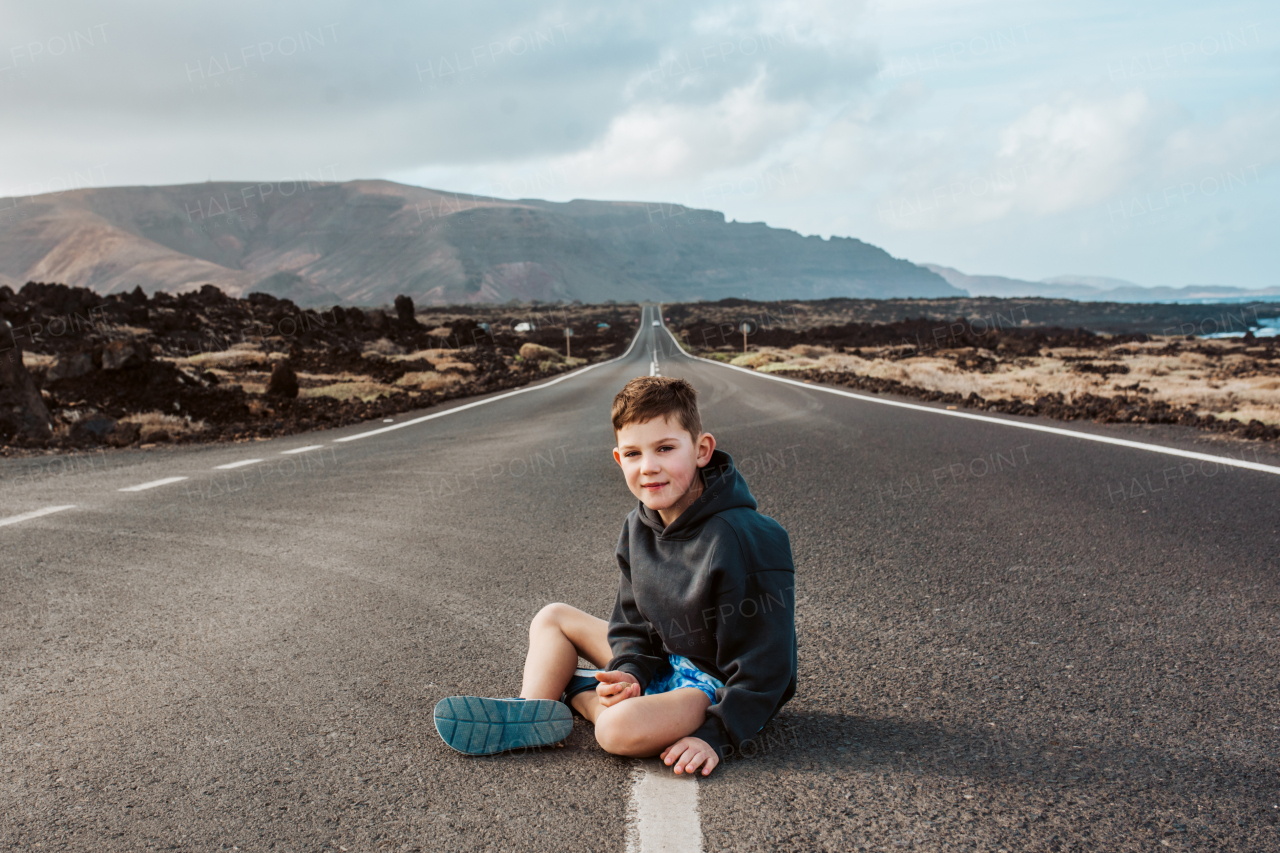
(648,397)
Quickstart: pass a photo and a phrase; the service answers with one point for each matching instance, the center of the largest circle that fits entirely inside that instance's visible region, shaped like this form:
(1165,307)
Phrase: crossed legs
(640,726)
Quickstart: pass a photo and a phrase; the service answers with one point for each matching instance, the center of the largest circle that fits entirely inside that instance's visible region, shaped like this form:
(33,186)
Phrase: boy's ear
(706,446)
(617,456)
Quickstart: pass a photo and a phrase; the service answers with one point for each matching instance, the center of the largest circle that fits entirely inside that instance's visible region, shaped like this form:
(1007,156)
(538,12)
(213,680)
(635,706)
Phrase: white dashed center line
(239,464)
(666,812)
(166,481)
(35,513)
(303,449)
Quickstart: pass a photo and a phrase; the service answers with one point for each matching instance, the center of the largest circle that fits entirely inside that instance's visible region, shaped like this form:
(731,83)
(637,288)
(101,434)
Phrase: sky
(1134,140)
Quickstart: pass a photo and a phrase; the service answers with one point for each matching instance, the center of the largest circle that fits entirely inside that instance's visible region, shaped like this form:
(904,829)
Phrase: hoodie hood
(722,488)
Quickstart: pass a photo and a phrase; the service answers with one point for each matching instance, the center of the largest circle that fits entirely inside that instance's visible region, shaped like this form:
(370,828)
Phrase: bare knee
(615,734)
(550,617)
(610,735)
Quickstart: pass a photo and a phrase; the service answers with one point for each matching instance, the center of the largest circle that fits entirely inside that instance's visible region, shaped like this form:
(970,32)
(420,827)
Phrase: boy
(700,651)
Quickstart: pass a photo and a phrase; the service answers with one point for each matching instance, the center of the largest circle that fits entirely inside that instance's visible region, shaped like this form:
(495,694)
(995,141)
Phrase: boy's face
(660,460)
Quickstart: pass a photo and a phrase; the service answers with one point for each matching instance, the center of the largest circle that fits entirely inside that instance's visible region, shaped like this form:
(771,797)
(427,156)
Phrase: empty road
(1010,639)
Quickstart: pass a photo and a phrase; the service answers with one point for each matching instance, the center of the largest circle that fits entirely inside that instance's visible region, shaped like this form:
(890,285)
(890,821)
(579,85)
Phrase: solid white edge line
(239,464)
(488,400)
(303,449)
(166,481)
(1102,439)
(35,513)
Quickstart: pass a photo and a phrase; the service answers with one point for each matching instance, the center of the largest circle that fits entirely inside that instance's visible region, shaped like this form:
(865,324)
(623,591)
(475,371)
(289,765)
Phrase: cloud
(896,122)
(1075,151)
(1064,154)
(663,142)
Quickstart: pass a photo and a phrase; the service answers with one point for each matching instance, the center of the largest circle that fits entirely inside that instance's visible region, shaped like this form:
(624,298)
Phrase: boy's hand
(615,686)
(689,753)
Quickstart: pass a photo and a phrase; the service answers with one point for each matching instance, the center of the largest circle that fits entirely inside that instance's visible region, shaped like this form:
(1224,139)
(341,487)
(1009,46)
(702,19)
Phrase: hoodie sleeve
(756,648)
(636,649)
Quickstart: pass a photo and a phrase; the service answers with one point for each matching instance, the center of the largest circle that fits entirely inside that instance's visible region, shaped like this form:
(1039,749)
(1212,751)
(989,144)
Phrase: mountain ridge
(1089,288)
(364,242)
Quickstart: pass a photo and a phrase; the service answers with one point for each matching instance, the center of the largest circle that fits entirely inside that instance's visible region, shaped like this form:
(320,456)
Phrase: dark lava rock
(1100,369)
(96,428)
(124,434)
(70,365)
(138,374)
(913,337)
(23,414)
(404,308)
(284,382)
(117,355)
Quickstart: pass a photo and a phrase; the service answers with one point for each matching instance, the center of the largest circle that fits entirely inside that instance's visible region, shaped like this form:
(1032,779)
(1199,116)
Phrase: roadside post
(744,328)
(568,336)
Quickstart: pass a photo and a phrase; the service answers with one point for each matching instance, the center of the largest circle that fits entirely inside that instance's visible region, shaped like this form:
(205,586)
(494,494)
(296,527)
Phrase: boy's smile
(660,461)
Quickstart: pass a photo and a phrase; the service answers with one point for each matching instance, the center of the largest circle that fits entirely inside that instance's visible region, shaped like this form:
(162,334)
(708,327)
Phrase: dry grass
(327,378)
(443,359)
(549,365)
(385,346)
(135,331)
(173,424)
(229,359)
(808,351)
(539,353)
(793,364)
(363,390)
(757,359)
(432,355)
(429,380)
(1184,379)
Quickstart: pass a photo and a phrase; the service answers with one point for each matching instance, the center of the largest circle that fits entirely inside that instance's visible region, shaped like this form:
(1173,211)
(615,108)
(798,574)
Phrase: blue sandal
(475,725)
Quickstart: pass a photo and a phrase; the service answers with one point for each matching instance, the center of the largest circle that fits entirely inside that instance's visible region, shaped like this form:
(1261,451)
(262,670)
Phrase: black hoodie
(718,587)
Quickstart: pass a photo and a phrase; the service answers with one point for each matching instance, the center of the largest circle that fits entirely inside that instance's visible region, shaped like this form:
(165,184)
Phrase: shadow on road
(819,743)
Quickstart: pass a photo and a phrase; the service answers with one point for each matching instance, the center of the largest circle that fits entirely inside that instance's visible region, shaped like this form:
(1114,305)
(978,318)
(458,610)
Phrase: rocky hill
(363,242)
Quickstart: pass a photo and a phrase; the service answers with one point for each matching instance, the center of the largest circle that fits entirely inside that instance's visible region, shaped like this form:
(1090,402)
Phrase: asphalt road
(1009,639)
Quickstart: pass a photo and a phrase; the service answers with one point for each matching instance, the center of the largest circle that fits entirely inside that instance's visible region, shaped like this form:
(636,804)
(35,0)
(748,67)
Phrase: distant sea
(1268,327)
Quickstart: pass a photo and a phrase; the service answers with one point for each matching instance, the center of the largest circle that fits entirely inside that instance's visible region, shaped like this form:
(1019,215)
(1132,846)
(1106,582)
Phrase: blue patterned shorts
(679,672)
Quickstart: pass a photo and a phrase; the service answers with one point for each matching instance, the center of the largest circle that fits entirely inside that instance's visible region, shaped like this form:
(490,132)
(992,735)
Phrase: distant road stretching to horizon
(1010,638)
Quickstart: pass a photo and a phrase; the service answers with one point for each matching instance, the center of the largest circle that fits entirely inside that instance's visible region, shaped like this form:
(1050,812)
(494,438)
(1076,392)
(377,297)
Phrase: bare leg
(641,726)
(557,636)
(646,725)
